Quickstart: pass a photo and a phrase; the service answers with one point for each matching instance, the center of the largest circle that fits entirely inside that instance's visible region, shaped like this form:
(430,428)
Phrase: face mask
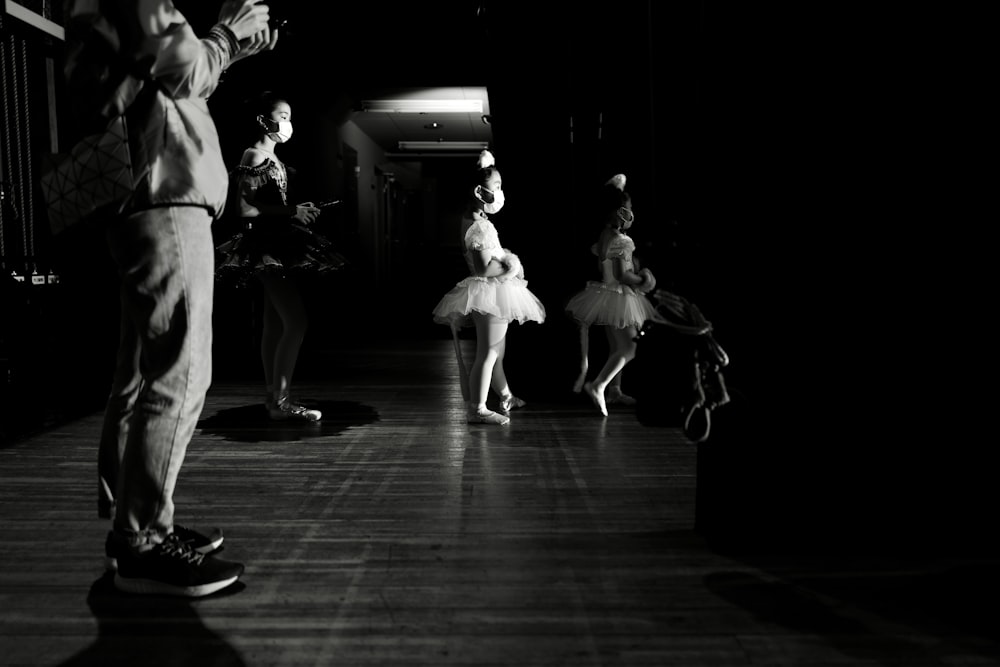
(492,200)
(280,131)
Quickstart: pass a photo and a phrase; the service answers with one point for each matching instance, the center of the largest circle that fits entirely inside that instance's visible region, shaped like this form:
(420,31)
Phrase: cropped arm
(624,275)
(184,65)
(486,265)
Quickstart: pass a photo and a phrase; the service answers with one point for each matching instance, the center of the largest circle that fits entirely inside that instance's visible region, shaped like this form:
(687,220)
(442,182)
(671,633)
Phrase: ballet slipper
(597,397)
(616,396)
(509,403)
(488,417)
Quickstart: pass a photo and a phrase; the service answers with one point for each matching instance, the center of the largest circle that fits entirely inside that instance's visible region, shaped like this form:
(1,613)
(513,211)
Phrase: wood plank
(394,533)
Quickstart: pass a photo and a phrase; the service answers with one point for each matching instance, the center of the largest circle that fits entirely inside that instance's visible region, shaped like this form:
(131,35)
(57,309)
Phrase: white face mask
(283,133)
(278,131)
(495,198)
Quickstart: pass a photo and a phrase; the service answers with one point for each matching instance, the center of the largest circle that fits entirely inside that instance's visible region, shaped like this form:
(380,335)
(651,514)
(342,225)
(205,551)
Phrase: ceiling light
(33,18)
(423,106)
(443,145)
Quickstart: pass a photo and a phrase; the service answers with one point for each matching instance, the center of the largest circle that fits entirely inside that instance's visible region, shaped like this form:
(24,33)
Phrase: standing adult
(162,245)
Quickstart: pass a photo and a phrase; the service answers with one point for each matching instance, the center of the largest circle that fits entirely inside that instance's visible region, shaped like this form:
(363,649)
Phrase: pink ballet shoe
(512,402)
(597,397)
(283,408)
(615,396)
(487,417)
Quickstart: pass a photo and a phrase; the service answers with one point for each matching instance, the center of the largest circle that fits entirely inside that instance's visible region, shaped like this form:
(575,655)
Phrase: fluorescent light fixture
(443,145)
(423,106)
(35,19)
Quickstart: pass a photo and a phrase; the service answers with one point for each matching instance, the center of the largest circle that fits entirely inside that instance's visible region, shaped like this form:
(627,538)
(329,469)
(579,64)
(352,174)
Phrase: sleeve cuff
(224,36)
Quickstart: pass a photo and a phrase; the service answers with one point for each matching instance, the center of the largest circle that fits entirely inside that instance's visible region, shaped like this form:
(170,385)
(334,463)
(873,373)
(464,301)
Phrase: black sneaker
(204,544)
(173,567)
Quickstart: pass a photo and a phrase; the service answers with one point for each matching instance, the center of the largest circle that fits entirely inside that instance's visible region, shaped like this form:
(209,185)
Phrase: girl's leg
(584,361)
(623,349)
(286,301)
(490,340)
(614,393)
(463,374)
(270,335)
(498,380)
(508,401)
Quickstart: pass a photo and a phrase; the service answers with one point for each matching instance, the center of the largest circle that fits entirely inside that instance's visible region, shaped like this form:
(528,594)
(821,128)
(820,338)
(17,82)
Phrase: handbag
(95,176)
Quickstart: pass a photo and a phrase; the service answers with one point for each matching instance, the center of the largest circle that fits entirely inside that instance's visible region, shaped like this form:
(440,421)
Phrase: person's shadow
(250,423)
(153,631)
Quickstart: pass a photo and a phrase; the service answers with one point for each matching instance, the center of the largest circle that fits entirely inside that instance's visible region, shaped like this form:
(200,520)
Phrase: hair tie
(486,159)
(618,181)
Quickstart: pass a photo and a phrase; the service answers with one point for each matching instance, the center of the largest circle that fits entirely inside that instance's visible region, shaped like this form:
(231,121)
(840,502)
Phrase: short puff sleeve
(482,236)
(621,246)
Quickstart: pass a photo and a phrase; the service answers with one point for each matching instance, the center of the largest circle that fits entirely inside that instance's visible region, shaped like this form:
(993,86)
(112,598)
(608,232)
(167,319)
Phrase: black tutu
(283,246)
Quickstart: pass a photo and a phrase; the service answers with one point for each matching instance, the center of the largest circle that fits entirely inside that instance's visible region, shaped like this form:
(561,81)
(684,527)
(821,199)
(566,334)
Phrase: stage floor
(394,533)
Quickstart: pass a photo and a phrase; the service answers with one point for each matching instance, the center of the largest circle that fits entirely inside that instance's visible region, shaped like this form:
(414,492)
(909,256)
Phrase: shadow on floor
(152,630)
(251,423)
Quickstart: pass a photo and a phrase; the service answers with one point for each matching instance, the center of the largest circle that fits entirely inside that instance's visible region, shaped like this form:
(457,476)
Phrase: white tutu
(613,305)
(509,300)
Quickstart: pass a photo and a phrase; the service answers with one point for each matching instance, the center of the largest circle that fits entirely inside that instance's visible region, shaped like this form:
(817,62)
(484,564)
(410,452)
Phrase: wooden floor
(393,533)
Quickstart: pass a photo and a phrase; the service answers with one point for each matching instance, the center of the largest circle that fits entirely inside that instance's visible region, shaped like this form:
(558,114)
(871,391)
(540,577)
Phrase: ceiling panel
(387,129)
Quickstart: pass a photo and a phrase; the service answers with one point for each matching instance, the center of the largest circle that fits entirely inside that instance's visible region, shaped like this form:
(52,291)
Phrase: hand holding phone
(306,212)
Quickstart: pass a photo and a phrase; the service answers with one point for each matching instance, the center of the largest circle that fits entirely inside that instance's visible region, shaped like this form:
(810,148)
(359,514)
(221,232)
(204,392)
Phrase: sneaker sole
(153,587)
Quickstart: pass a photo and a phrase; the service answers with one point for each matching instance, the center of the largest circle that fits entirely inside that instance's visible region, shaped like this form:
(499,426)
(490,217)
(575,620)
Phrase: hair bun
(618,181)
(486,159)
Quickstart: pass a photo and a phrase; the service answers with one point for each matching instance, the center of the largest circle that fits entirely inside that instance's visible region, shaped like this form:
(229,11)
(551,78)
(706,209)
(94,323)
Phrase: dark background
(807,176)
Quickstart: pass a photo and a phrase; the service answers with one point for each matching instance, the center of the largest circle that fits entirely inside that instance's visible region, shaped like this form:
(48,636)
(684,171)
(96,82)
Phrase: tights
(284,329)
(622,350)
(487,370)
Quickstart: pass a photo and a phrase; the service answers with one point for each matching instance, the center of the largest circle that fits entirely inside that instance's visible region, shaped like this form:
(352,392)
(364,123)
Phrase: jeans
(166,263)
